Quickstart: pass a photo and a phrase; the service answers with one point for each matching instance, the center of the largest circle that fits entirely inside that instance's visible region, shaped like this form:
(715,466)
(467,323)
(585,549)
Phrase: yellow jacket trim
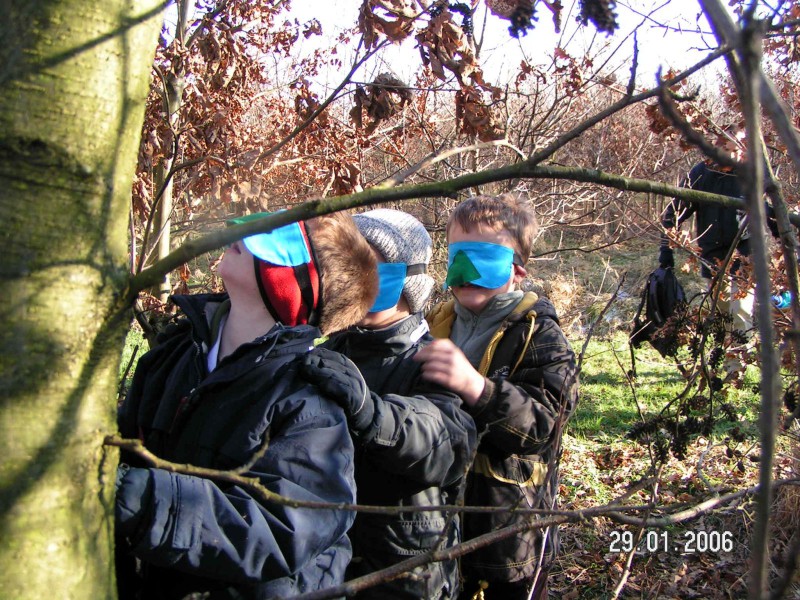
(483,466)
(442,316)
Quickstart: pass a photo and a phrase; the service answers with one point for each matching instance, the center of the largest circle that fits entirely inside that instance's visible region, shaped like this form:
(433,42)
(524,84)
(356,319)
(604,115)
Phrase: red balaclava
(292,294)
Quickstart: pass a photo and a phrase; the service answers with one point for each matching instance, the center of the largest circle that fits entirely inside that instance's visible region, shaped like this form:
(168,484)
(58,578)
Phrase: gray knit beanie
(399,237)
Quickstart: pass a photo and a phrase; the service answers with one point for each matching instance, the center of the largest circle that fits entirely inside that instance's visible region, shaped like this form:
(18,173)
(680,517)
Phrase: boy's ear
(519,273)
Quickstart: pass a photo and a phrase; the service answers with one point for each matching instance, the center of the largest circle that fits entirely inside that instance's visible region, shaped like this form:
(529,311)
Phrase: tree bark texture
(73,80)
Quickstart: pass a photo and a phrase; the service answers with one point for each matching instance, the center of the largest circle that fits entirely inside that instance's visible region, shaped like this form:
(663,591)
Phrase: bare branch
(237,477)
(448,189)
(439,156)
(319,110)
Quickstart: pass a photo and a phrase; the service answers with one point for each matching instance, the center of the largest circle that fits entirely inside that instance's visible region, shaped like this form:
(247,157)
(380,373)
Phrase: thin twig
(319,110)
(237,477)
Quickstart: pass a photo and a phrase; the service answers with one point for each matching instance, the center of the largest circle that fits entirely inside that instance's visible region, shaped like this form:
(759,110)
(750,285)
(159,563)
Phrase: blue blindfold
(479,263)
(391,280)
(285,246)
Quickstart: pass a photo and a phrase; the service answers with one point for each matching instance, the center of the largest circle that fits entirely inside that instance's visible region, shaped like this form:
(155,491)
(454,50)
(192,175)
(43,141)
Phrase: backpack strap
(526,304)
(655,307)
(531,317)
(523,307)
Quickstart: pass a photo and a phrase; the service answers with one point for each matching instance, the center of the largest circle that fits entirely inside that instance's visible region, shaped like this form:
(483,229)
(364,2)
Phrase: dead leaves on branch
(393,19)
(346,178)
(571,70)
(475,117)
(448,51)
(446,48)
(381,100)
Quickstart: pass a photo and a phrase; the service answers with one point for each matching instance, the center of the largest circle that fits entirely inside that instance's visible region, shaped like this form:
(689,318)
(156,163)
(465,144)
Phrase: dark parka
(716,225)
(414,454)
(211,537)
(531,389)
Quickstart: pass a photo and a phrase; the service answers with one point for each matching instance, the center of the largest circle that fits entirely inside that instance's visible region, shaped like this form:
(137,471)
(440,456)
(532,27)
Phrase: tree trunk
(164,224)
(73,80)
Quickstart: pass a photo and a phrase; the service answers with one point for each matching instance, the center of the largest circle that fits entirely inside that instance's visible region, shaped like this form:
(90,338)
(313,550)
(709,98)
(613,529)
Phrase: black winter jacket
(414,454)
(211,537)
(716,225)
(531,390)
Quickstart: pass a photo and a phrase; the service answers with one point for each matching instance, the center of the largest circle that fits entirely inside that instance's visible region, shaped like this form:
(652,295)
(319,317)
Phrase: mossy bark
(73,79)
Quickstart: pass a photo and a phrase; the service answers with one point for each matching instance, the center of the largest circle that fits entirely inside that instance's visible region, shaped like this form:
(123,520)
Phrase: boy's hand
(340,379)
(444,363)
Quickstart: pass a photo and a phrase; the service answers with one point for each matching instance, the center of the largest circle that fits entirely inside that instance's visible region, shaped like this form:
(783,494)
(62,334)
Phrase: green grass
(610,402)
(135,346)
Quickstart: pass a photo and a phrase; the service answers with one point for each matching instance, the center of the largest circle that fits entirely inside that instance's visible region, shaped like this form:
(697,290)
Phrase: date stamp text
(685,542)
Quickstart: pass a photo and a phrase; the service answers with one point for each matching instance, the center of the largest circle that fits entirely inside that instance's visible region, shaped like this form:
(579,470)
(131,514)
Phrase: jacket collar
(200,309)
(391,340)
(497,309)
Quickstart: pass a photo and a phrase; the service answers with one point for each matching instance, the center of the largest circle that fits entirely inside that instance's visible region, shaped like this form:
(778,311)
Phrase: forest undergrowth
(705,557)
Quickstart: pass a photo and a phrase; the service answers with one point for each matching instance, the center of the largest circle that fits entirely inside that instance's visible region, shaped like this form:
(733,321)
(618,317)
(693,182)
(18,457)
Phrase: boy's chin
(472,297)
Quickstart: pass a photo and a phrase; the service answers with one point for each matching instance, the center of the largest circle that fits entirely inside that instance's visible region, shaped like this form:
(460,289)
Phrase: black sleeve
(522,411)
(427,438)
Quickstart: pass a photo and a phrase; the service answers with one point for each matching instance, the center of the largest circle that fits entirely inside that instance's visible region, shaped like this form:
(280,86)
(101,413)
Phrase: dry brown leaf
(396,25)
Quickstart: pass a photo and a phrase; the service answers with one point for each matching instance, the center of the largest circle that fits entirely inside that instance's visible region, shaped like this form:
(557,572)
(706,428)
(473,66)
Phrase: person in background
(718,231)
(413,441)
(503,352)
(222,391)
